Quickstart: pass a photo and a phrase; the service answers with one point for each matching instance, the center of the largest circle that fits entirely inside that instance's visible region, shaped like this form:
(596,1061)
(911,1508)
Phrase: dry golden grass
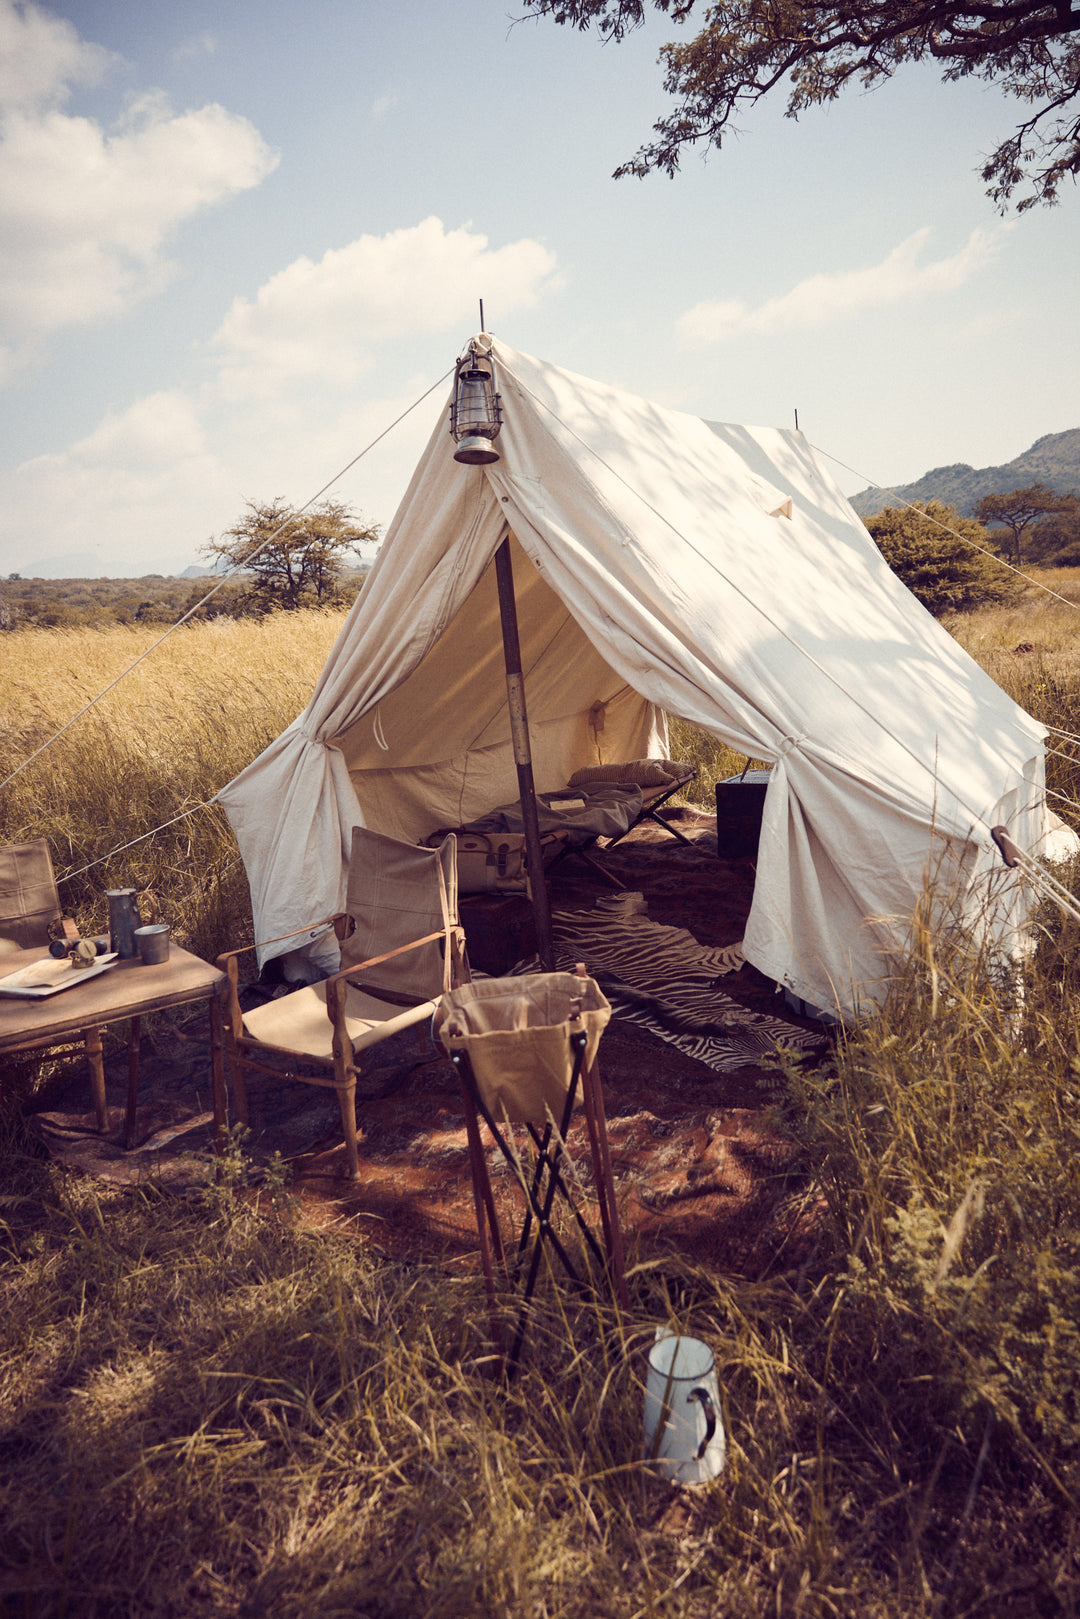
(714,761)
(1046,629)
(1032,650)
(184,722)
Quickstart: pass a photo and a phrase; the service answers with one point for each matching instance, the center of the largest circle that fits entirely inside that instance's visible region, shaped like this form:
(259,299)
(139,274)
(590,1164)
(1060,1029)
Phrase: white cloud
(822,299)
(115,498)
(85,215)
(323,320)
(157,429)
(198,45)
(382,105)
(42,56)
(143,491)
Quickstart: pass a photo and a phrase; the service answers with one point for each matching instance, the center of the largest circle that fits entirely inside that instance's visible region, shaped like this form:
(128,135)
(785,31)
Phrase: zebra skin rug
(663,980)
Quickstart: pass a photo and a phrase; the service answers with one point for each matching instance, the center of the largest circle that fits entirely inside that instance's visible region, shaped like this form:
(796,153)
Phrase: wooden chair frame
(343,1066)
(41,931)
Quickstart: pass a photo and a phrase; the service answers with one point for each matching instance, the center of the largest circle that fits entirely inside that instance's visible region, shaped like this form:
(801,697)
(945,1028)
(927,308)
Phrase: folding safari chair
(525,1051)
(400,935)
(30,916)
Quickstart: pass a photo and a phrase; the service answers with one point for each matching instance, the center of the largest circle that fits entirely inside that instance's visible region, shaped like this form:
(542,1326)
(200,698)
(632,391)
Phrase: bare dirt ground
(698,1166)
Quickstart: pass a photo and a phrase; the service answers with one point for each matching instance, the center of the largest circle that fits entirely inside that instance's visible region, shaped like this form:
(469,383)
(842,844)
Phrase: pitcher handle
(706,1401)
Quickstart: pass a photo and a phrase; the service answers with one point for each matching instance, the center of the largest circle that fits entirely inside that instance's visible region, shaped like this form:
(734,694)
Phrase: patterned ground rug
(688,1082)
(661,979)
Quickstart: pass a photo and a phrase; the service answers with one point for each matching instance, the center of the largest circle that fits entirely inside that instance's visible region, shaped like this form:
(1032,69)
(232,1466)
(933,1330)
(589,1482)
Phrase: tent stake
(519,732)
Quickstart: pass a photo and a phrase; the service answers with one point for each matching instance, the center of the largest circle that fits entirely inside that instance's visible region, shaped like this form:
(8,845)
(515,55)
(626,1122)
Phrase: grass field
(160,743)
(206,1410)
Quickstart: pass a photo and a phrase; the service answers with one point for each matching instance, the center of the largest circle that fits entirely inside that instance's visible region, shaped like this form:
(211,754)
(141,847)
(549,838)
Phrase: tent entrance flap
(438,749)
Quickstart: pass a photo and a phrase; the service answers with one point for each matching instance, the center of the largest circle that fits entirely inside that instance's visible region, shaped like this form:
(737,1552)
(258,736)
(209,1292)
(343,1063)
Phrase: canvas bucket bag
(516,1032)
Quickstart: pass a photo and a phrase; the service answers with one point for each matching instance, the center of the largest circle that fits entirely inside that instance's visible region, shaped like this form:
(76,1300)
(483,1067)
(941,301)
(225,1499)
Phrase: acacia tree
(944,560)
(1020,508)
(295,559)
(747,48)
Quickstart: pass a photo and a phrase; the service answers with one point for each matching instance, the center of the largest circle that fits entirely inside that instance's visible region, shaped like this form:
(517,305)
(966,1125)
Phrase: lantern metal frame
(475,434)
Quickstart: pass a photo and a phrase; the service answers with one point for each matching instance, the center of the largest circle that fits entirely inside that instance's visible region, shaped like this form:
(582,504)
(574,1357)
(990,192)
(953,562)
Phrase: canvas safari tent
(662,565)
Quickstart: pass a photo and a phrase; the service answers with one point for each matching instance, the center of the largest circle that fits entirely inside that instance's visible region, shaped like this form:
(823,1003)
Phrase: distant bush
(1055,541)
(936,554)
(153,599)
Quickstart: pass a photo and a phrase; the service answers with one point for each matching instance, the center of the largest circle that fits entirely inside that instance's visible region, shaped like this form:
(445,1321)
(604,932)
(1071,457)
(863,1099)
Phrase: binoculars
(82,952)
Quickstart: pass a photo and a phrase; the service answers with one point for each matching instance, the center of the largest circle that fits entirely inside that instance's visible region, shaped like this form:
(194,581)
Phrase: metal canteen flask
(124,918)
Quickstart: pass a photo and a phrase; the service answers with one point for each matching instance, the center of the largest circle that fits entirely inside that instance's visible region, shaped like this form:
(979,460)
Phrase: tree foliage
(1020,510)
(294,559)
(1054,541)
(747,48)
(934,552)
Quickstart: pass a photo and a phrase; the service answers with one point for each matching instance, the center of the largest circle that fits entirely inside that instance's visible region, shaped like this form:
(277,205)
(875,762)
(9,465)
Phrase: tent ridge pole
(519,732)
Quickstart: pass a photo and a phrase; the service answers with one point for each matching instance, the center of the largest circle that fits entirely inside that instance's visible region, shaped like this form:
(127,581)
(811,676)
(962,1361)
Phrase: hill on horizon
(1053,460)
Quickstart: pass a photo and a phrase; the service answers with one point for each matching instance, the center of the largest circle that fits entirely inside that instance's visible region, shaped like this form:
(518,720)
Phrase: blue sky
(239,238)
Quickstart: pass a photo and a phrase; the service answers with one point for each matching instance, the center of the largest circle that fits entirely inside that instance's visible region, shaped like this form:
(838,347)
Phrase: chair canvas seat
(298,1023)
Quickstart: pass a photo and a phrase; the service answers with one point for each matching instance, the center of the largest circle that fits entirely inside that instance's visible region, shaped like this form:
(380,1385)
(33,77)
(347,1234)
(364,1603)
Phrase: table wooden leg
(217,1069)
(92,1041)
(130,1113)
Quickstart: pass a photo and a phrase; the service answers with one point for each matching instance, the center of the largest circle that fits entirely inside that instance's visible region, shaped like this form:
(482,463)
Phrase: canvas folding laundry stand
(662,565)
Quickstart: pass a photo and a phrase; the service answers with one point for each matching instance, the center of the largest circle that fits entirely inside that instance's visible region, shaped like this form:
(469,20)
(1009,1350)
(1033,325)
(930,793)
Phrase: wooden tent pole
(519,732)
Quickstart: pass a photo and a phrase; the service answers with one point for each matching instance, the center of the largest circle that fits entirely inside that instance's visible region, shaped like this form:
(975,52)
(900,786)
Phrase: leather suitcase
(499,931)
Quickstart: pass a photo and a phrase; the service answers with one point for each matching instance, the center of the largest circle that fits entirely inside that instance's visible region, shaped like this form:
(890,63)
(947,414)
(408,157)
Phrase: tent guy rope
(1042,880)
(69,876)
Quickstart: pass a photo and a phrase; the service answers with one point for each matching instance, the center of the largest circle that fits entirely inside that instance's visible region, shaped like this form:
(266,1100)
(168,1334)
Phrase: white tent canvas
(663,565)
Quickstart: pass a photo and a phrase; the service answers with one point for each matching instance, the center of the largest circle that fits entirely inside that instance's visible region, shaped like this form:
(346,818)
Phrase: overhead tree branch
(747,48)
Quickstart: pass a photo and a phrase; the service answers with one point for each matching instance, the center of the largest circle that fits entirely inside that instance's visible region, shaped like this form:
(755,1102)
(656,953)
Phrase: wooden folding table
(127,990)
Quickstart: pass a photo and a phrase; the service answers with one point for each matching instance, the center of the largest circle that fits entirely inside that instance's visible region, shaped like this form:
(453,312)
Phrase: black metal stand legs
(540,1183)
